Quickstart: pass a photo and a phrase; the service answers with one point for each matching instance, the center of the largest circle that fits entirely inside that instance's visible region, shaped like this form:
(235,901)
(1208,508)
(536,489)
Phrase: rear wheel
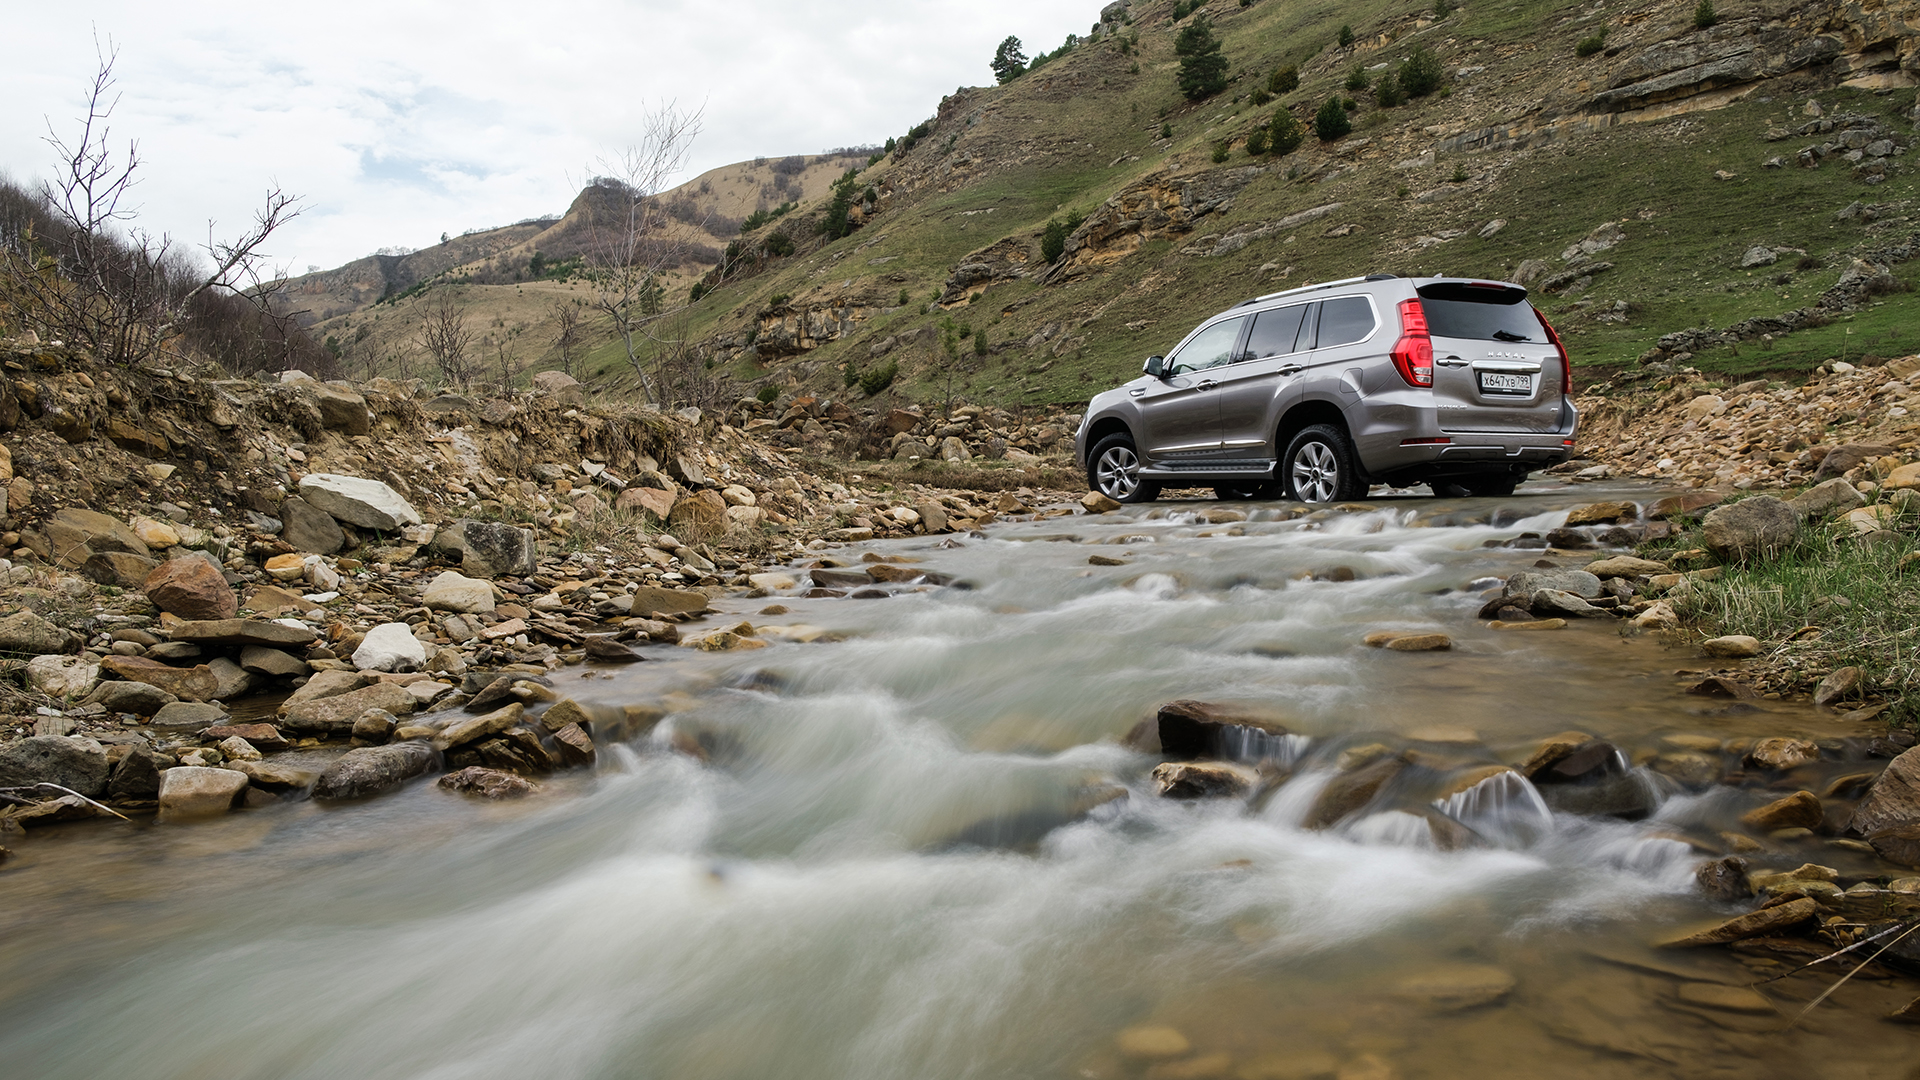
(1114,471)
(1320,467)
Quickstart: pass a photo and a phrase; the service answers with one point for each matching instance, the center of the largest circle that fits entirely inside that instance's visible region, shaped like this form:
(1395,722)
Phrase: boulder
(198,791)
(307,528)
(1901,845)
(1197,729)
(137,776)
(65,677)
(1660,615)
(374,727)
(191,588)
(120,569)
(74,535)
(230,680)
(560,386)
(342,410)
(574,745)
(190,683)
(336,713)
(1753,528)
(25,632)
(456,592)
(1203,780)
(1683,505)
(391,647)
(487,783)
(138,698)
(1893,802)
(1558,603)
(480,727)
(489,549)
(651,602)
(1602,513)
(606,650)
(272,663)
(1846,456)
(1552,751)
(1827,499)
(1800,810)
(373,770)
(1351,791)
(78,764)
(261,736)
(188,716)
(277,635)
(1578,582)
(369,504)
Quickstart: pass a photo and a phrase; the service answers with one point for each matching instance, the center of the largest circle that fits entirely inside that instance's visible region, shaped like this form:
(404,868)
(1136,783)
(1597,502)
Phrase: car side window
(1345,320)
(1209,347)
(1274,332)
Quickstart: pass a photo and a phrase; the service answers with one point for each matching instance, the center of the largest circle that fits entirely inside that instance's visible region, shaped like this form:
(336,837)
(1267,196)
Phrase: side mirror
(1156,367)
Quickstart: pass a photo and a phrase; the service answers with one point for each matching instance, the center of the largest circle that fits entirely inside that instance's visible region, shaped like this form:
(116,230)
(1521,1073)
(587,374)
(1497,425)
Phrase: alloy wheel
(1316,473)
(1118,472)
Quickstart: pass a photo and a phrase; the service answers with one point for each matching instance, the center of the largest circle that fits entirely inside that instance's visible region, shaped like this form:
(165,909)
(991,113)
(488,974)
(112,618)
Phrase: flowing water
(923,850)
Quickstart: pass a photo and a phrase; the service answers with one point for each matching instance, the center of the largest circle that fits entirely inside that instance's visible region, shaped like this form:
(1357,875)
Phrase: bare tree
(507,360)
(630,239)
(445,337)
(90,276)
(567,338)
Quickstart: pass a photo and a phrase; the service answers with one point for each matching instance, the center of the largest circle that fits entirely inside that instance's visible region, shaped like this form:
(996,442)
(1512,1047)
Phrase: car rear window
(1344,321)
(1480,313)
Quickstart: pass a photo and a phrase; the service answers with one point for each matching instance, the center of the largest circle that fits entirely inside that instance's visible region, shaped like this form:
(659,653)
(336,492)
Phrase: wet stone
(1203,780)
(487,783)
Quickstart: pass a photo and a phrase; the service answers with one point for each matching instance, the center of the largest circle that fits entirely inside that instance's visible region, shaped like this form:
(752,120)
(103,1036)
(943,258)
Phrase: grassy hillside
(1519,133)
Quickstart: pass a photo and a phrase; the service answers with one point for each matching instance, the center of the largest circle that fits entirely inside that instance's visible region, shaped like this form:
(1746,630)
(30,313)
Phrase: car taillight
(1413,353)
(1566,365)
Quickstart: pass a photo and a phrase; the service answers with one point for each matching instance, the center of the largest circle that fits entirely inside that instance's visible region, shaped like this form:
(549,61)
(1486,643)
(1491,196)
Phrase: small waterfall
(1238,742)
(1504,808)
(1393,828)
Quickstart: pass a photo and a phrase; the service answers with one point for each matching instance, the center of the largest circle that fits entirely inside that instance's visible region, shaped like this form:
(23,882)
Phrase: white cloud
(398,121)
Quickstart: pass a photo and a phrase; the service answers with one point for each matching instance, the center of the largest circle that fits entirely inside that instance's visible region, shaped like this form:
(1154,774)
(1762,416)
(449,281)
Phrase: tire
(1320,467)
(1113,470)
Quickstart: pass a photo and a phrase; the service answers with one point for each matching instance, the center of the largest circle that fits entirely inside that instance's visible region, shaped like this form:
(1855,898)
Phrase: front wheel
(1320,467)
(1114,471)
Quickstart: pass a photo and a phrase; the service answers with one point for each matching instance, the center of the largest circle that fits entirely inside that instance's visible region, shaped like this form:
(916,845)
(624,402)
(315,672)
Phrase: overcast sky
(398,121)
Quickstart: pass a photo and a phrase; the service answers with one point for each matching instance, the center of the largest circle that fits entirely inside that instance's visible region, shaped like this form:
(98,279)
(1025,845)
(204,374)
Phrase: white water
(904,859)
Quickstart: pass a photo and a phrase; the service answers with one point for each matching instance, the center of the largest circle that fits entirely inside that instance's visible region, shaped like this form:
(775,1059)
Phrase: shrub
(1053,238)
(1388,92)
(1166,131)
(1283,80)
(1346,35)
(1257,141)
(904,298)
(1357,78)
(1220,151)
(1704,16)
(980,343)
(1182,9)
(767,394)
(1591,44)
(1287,132)
(879,378)
(1331,121)
(1442,8)
(1203,67)
(1421,74)
(1260,97)
(1459,175)
(694,294)
(779,244)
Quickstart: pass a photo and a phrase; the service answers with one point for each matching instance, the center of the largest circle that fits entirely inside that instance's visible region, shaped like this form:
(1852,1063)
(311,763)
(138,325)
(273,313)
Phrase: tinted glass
(1211,346)
(1344,321)
(1274,331)
(1480,313)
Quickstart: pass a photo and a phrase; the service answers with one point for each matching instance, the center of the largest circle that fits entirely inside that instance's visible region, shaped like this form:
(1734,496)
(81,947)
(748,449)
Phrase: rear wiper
(1508,335)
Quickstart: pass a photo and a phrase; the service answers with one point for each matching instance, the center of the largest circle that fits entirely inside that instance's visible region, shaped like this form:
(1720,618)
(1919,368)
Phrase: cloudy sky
(397,121)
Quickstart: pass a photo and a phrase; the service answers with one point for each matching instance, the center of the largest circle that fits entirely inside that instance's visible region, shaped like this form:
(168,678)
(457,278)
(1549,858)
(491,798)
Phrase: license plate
(1504,382)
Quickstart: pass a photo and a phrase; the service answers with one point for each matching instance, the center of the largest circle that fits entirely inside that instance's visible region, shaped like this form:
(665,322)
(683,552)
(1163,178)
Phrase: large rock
(1578,582)
(1353,790)
(390,647)
(138,698)
(1623,566)
(243,632)
(1198,729)
(65,677)
(308,528)
(560,386)
(1781,753)
(120,569)
(369,504)
(490,549)
(1753,528)
(342,410)
(273,663)
(1755,924)
(487,783)
(651,602)
(1893,802)
(79,764)
(1900,845)
(191,588)
(335,715)
(373,770)
(188,716)
(479,727)
(1203,780)
(1800,810)
(73,536)
(1828,499)
(1551,603)
(327,684)
(197,791)
(456,592)
(191,684)
(25,632)
(136,777)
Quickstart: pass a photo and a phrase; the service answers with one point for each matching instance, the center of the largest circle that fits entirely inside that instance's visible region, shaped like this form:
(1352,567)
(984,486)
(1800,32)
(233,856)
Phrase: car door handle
(1137,391)
(1454,361)
(1206,384)
(1290,369)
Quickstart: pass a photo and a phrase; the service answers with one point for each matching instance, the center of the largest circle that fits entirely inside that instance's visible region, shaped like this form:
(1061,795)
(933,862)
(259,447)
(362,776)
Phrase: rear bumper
(1405,444)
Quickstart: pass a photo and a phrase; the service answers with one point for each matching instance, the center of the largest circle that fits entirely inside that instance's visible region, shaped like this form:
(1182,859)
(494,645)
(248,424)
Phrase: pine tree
(1009,62)
(1203,67)
(1331,121)
(1285,132)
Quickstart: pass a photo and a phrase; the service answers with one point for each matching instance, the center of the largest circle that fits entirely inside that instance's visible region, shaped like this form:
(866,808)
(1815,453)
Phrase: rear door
(1180,414)
(1348,333)
(1252,385)
(1494,369)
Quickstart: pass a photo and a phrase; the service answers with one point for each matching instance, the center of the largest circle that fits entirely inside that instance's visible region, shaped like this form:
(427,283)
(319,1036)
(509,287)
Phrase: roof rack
(1312,288)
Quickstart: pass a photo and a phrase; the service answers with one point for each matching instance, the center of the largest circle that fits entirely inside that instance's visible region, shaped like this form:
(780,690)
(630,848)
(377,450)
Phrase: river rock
(199,791)
(1780,754)
(1578,582)
(336,714)
(1452,989)
(307,528)
(452,591)
(1153,1042)
(190,684)
(191,588)
(326,684)
(1602,513)
(489,549)
(1203,780)
(25,632)
(137,776)
(373,770)
(1841,684)
(120,569)
(1754,924)
(1731,647)
(188,717)
(1894,800)
(575,746)
(230,680)
(79,764)
(374,727)
(1197,729)
(138,698)
(392,647)
(262,736)
(277,635)
(488,783)
(1420,643)
(281,775)
(369,504)
(1351,791)
(480,727)
(1683,505)
(1551,750)
(1800,810)
(1625,566)
(272,663)
(1752,528)
(564,712)
(1660,615)
(1827,499)
(650,602)
(1559,602)
(1901,845)
(606,650)
(1724,879)
(64,677)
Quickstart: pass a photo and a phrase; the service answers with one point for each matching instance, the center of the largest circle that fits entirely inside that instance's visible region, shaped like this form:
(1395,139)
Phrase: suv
(1317,392)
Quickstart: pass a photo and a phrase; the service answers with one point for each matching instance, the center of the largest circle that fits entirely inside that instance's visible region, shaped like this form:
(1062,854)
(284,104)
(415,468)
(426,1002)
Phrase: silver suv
(1317,392)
